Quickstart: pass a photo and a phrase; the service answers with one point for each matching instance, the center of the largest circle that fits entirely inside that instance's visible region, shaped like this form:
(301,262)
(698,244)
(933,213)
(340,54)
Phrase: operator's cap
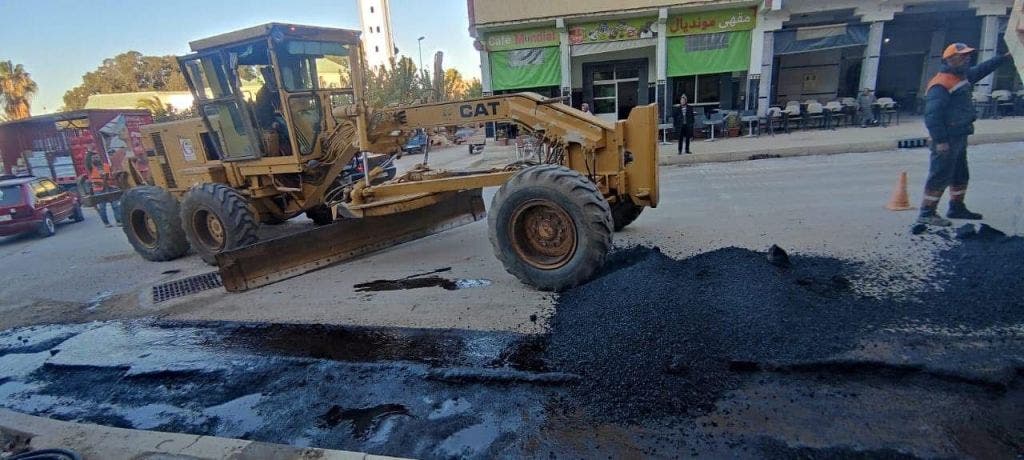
(956,48)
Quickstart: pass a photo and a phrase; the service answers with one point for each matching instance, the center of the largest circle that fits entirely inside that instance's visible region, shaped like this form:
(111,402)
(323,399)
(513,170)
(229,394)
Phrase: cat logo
(481,109)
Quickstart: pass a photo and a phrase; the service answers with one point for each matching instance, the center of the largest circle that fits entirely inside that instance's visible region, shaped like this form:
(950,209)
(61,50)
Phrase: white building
(378,42)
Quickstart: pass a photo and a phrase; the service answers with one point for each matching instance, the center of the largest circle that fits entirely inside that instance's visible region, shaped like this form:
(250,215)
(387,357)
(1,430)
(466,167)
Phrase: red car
(35,204)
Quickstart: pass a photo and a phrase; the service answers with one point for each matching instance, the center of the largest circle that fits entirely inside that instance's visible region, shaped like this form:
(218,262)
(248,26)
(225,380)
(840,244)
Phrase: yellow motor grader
(282,112)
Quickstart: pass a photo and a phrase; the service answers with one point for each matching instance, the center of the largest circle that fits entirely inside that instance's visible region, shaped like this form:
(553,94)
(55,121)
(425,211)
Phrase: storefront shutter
(525,68)
(708,53)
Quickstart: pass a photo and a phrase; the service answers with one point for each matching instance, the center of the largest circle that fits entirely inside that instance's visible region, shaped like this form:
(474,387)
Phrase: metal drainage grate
(912,143)
(186,286)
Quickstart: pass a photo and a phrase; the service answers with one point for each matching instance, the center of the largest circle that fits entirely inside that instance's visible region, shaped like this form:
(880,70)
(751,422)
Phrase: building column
(987,50)
(877,14)
(762,59)
(661,55)
(872,53)
(991,12)
(934,61)
(566,60)
(485,73)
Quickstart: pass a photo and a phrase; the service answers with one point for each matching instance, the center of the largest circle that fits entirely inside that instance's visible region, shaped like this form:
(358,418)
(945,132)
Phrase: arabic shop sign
(710,22)
(614,30)
(522,39)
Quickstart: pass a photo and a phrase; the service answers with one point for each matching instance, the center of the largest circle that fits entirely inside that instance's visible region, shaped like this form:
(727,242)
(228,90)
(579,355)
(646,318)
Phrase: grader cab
(282,112)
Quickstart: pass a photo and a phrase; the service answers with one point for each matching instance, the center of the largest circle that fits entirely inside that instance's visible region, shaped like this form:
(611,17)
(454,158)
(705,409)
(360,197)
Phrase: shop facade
(728,54)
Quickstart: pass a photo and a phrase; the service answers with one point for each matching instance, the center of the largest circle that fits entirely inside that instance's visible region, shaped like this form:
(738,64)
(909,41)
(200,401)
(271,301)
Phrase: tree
(16,89)
(162,112)
(127,73)
(474,89)
(455,87)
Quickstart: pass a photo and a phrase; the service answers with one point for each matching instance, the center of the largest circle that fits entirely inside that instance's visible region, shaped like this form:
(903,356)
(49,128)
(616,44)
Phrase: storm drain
(186,286)
(912,143)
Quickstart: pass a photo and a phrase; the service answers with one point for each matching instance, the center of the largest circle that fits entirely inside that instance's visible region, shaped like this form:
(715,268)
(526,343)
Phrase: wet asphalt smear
(732,353)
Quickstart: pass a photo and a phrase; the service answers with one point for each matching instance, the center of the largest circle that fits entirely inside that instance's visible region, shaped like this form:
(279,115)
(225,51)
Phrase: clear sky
(60,40)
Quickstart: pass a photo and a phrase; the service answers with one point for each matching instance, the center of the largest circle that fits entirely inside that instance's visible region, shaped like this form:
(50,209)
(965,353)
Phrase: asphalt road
(876,343)
(828,205)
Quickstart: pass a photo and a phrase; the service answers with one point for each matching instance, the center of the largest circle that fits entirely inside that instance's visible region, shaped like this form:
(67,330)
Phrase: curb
(95,442)
(833,149)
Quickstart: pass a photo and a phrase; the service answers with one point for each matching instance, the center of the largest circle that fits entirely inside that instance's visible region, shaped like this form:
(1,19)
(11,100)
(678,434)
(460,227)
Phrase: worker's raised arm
(976,73)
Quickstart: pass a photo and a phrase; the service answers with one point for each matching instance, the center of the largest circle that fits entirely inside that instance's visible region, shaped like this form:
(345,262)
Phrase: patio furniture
(1002,99)
(750,117)
(982,104)
(815,113)
(834,114)
(888,108)
(716,120)
(698,123)
(793,114)
(772,119)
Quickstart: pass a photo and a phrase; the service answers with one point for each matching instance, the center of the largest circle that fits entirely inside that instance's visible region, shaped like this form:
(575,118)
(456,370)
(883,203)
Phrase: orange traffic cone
(900,201)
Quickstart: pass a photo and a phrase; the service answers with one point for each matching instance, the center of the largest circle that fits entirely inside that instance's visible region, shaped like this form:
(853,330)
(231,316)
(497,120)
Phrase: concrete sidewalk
(101,442)
(827,142)
(798,143)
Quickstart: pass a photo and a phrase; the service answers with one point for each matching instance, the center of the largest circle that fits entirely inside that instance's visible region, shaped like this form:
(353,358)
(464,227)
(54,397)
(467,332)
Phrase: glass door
(616,91)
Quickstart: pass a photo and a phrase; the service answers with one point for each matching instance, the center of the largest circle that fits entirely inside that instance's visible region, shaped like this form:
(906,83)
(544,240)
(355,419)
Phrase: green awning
(525,68)
(708,53)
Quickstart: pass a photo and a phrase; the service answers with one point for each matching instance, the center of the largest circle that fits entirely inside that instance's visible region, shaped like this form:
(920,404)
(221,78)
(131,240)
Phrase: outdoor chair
(698,123)
(793,114)
(716,120)
(811,101)
(1002,101)
(1018,108)
(888,108)
(982,104)
(815,114)
(773,119)
(835,113)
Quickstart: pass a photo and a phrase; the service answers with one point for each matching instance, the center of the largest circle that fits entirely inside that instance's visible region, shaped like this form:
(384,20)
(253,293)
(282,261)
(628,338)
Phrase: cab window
(312,65)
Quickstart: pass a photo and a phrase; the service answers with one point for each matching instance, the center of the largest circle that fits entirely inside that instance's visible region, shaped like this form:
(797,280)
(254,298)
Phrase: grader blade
(281,258)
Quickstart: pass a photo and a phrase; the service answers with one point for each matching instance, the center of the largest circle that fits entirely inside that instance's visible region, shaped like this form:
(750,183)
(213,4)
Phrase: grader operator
(282,112)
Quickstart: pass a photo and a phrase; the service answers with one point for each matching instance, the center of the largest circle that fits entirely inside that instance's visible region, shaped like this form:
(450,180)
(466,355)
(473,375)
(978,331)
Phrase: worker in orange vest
(102,181)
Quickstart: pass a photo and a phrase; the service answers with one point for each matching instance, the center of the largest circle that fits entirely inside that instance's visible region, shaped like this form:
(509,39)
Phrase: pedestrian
(682,120)
(586,108)
(949,116)
(868,105)
(102,182)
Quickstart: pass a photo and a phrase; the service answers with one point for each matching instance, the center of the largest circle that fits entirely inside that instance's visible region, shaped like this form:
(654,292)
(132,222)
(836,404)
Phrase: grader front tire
(216,218)
(550,227)
(152,223)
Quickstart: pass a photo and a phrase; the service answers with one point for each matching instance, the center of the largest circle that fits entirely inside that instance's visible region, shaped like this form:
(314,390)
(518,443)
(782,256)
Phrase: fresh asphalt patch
(732,353)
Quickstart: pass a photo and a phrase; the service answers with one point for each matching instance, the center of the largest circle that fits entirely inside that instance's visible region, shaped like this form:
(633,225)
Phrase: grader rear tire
(320,215)
(624,212)
(550,227)
(152,223)
(216,218)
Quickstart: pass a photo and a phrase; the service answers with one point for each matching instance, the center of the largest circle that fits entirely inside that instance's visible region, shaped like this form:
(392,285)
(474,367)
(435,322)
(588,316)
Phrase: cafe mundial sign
(520,39)
(710,22)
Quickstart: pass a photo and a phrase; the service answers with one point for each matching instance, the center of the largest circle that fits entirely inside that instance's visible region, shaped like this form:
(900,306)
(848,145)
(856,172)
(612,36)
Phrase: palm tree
(16,88)
(155,107)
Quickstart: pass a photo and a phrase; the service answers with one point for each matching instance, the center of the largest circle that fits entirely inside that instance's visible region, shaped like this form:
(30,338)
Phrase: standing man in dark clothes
(682,118)
(949,115)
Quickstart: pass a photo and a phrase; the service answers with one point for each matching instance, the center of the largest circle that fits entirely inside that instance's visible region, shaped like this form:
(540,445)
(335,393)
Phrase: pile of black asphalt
(655,336)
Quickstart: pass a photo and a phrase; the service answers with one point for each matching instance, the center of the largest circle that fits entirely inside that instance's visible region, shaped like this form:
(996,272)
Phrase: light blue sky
(60,40)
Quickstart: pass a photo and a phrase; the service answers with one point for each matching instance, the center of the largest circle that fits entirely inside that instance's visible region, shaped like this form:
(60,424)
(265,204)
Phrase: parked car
(35,204)
(354,170)
(418,143)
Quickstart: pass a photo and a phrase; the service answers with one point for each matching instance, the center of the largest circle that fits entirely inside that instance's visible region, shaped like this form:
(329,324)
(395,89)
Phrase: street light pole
(419,45)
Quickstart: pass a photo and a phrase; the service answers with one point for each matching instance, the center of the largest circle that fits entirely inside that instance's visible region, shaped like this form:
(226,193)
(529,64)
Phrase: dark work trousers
(685,134)
(948,169)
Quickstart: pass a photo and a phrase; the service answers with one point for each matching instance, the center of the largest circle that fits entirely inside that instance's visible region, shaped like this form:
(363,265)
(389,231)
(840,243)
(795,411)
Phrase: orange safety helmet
(956,48)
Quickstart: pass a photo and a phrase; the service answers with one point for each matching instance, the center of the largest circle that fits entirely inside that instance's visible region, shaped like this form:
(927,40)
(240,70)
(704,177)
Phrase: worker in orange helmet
(949,115)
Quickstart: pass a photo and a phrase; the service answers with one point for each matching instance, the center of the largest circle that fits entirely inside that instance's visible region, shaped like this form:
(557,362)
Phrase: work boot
(960,211)
(931,218)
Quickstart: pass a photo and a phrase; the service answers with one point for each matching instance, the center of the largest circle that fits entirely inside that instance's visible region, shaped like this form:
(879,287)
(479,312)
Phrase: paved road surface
(817,205)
